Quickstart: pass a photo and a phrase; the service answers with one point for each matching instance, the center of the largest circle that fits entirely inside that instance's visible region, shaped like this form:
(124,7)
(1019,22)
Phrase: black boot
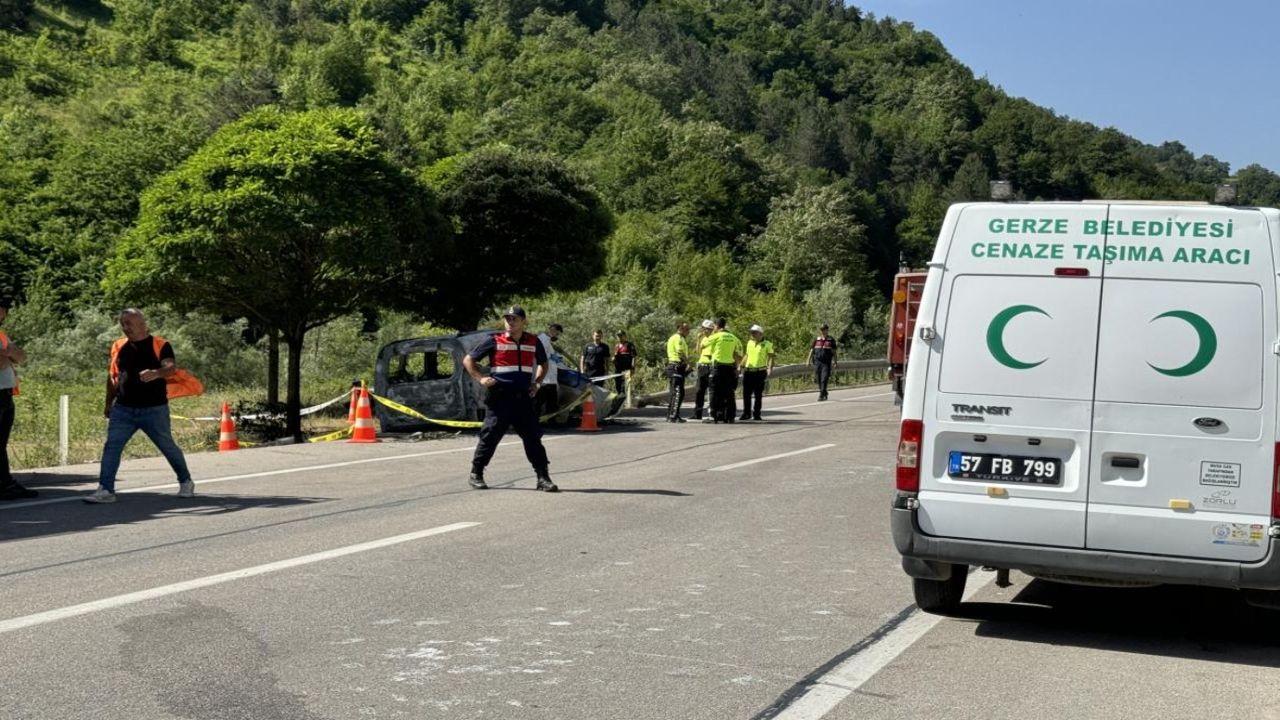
(477,479)
(12,490)
(545,484)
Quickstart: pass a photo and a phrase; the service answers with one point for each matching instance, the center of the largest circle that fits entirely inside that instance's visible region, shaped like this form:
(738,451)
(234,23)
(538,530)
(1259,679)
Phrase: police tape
(257,416)
(333,435)
(473,423)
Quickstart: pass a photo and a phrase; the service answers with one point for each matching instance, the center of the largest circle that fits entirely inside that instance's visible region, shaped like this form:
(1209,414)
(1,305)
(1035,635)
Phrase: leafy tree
(813,234)
(13,13)
(525,224)
(286,219)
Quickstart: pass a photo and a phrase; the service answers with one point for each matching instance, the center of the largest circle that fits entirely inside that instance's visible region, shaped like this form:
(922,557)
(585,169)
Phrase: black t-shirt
(135,357)
(596,358)
(624,356)
(824,350)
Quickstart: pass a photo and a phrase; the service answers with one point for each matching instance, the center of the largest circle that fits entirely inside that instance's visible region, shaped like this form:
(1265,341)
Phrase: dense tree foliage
(524,224)
(749,150)
(287,219)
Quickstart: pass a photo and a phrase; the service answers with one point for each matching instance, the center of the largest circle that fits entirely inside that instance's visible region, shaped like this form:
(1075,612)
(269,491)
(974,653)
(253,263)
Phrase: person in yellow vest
(10,355)
(138,399)
(677,369)
(726,353)
(703,353)
(756,368)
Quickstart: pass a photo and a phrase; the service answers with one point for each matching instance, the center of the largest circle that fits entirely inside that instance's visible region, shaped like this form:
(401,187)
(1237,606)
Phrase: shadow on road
(1173,621)
(68,517)
(40,480)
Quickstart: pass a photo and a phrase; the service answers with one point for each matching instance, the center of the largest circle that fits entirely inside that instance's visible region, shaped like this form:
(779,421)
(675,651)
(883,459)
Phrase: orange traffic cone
(364,432)
(588,423)
(355,400)
(227,439)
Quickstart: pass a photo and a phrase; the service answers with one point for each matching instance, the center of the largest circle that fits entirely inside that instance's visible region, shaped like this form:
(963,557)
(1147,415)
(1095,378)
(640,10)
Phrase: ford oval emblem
(1208,422)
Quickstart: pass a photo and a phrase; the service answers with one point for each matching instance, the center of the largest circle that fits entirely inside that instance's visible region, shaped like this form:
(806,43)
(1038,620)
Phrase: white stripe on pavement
(136,597)
(833,687)
(745,463)
(266,473)
(827,402)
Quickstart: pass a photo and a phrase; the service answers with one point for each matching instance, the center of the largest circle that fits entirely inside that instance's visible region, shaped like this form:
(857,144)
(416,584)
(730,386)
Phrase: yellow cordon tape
(468,423)
(331,436)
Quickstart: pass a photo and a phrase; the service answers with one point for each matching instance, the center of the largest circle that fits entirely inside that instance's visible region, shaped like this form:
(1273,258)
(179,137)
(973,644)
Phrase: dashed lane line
(116,601)
(744,463)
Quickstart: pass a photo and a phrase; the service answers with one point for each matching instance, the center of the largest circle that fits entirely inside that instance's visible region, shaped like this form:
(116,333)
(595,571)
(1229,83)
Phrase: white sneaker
(187,489)
(100,496)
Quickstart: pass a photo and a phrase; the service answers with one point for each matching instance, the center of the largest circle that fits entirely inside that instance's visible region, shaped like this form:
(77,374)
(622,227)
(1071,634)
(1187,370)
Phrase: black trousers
(510,408)
(547,400)
(675,388)
(724,381)
(700,391)
(6,426)
(822,377)
(620,382)
(753,391)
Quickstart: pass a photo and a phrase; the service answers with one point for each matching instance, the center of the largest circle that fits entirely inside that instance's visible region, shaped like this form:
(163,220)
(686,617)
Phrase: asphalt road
(345,581)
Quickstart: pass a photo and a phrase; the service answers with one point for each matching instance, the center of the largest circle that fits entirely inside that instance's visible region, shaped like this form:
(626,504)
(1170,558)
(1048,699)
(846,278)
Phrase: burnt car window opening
(421,367)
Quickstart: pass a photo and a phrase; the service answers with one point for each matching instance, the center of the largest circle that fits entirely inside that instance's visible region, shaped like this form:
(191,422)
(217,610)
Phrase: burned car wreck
(426,374)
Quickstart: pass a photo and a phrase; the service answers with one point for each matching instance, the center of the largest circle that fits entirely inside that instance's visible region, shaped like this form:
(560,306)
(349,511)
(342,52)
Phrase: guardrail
(781,371)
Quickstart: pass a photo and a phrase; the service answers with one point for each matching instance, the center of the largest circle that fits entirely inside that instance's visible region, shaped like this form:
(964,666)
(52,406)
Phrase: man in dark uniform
(595,358)
(517,364)
(624,361)
(822,355)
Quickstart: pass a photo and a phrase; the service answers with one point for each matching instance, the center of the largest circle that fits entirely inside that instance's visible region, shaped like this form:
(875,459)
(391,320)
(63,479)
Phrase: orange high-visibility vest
(180,384)
(4,345)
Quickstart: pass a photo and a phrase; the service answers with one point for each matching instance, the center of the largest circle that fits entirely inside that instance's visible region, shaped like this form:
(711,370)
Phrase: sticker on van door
(1220,474)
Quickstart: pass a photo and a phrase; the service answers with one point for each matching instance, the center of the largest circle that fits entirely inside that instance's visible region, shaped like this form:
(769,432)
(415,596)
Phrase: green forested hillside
(774,160)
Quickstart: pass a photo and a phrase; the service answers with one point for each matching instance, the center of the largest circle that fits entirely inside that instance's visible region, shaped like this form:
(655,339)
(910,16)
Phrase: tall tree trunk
(293,403)
(273,367)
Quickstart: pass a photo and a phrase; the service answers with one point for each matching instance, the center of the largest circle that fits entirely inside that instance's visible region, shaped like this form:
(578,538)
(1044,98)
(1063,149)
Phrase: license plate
(1004,468)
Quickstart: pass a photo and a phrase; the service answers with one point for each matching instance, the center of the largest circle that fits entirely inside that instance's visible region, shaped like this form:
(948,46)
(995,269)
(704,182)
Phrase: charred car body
(426,374)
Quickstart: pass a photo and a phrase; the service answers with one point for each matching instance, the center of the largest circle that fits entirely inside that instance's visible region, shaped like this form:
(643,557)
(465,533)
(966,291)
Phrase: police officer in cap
(10,355)
(517,364)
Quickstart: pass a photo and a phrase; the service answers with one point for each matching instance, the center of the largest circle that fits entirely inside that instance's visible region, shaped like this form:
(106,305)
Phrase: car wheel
(941,596)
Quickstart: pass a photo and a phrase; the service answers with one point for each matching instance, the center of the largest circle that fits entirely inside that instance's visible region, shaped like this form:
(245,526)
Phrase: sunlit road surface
(685,571)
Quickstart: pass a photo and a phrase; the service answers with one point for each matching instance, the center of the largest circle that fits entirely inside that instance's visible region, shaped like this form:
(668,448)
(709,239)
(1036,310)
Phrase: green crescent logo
(1208,344)
(995,336)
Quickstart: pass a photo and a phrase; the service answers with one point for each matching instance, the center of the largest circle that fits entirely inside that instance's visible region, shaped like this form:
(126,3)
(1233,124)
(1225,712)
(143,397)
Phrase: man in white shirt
(548,400)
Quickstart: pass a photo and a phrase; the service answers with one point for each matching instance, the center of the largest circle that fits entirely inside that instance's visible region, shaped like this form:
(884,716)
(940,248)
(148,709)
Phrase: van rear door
(1008,410)
(1184,418)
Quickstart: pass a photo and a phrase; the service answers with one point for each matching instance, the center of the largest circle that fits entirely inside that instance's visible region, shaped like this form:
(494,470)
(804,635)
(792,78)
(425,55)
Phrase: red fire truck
(907,289)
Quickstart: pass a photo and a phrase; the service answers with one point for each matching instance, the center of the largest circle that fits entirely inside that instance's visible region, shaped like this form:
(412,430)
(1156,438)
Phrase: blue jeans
(154,423)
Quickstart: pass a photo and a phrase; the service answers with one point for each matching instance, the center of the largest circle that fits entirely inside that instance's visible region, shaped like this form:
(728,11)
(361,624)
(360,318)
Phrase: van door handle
(1125,462)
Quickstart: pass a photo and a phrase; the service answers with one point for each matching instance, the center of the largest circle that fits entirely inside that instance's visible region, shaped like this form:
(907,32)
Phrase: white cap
(708,324)
(757,328)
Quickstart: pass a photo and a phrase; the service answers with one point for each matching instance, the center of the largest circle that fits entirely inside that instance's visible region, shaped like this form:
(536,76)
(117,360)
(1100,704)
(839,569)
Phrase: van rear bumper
(926,556)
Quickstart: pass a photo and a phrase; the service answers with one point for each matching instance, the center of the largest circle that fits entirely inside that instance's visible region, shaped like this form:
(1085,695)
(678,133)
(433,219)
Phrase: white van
(1092,397)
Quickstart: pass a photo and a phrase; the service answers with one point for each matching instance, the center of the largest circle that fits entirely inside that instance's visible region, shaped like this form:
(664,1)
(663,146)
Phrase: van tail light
(1275,485)
(1071,272)
(909,442)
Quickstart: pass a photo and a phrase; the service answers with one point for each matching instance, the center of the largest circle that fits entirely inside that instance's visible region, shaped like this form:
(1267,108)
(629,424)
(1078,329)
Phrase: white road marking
(268,473)
(745,463)
(828,402)
(833,687)
(49,616)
